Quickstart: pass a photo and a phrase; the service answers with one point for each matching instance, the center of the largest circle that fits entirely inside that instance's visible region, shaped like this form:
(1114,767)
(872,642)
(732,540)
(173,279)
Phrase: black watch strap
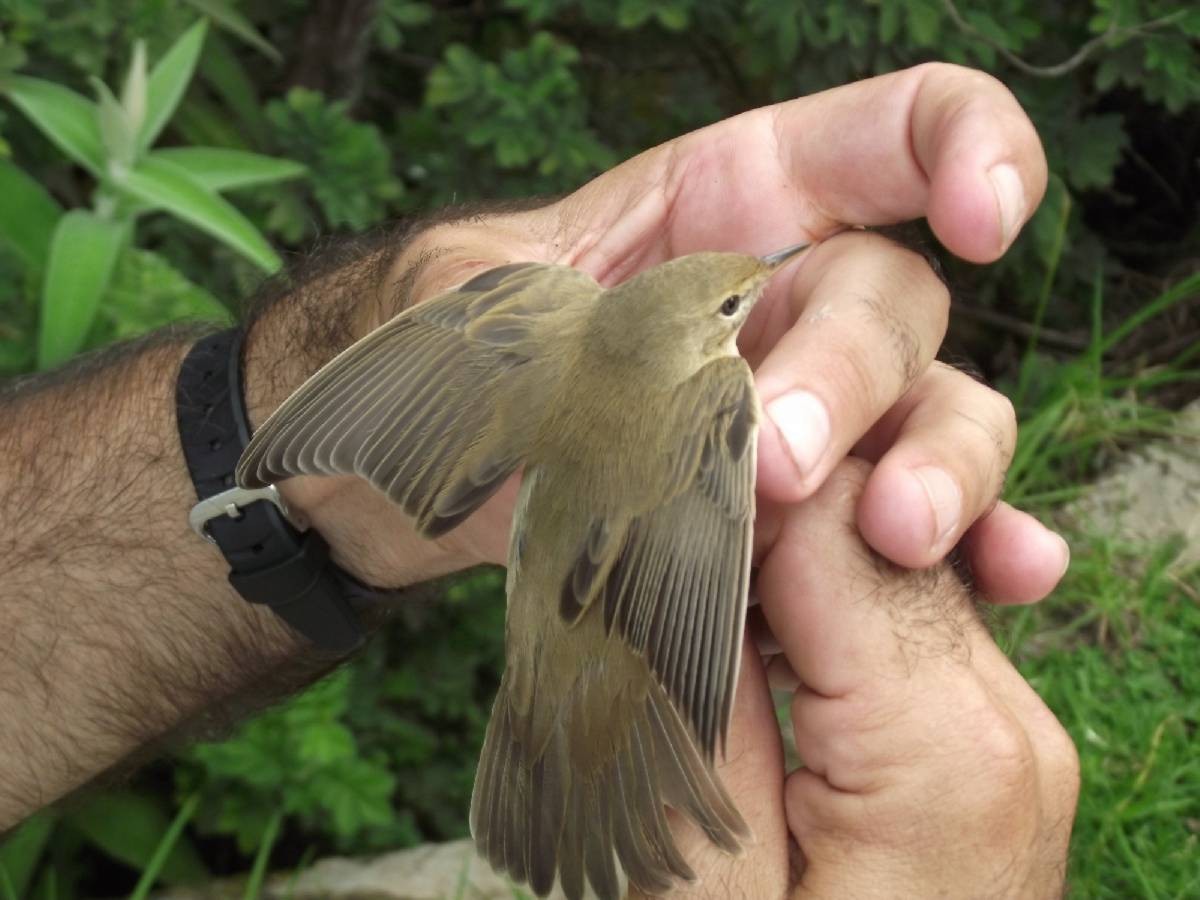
(271,562)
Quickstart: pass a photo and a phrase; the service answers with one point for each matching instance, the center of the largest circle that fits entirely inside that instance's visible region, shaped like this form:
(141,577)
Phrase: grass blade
(259,871)
(150,874)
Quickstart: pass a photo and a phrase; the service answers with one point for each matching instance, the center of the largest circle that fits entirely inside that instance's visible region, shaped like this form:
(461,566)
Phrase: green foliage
(27,216)
(138,841)
(1112,651)
(20,853)
(1113,656)
(398,16)
(527,110)
(300,759)
(349,161)
(75,254)
(83,251)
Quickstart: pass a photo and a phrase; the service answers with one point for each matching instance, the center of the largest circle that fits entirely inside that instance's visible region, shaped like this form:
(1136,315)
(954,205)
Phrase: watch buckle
(229,503)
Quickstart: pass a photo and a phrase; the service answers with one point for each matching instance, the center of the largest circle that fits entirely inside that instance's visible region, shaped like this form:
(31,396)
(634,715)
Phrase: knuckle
(1003,746)
(901,335)
(1059,757)
(1004,414)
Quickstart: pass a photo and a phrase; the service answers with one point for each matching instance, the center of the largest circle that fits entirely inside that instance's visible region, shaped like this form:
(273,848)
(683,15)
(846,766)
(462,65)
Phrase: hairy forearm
(119,624)
(120,627)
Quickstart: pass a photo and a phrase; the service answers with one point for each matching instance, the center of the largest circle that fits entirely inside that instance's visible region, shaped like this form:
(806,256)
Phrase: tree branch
(1077,59)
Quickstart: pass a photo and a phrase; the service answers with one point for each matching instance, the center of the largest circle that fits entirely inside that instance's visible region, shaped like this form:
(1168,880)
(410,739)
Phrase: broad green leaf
(27,215)
(164,184)
(220,169)
(237,24)
(82,254)
(168,80)
(67,118)
(22,850)
(142,824)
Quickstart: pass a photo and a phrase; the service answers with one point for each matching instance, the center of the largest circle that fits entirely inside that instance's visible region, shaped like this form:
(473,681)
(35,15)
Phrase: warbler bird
(635,420)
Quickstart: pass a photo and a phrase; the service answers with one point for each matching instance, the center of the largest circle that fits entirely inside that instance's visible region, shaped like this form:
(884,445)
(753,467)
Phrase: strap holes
(206,374)
(214,444)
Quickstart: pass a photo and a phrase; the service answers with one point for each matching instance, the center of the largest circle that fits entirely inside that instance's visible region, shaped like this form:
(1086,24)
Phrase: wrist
(285,343)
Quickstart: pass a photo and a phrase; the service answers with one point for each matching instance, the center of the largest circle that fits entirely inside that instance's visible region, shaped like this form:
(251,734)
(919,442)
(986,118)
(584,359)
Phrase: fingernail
(1010,199)
(1066,553)
(804,425)
(945,499)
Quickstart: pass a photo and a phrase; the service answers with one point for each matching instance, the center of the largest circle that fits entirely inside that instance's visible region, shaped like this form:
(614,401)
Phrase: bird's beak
(779,257)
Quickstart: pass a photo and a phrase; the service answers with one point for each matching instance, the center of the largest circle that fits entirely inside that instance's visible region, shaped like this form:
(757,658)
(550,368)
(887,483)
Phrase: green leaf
(220,169)
(168,80)
(82,254)
(229,79)
(22,850)
(164,184)
(142,825)
(134,94)
(237,24)
(67,118)
(116,130)
(27,216)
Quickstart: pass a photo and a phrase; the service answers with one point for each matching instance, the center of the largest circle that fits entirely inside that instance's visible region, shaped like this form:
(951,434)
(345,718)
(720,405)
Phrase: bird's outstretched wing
(674,581)
(416,407)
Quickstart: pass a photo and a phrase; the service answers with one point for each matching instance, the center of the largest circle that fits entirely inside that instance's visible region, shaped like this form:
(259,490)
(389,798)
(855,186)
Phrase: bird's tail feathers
(543,818)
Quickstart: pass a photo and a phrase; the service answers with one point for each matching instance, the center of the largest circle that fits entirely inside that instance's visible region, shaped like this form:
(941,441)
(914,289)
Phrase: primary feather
(633,522)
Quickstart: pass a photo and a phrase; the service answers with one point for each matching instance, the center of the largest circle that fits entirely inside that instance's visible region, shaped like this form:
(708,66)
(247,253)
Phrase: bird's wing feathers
(413,407)
(676,590)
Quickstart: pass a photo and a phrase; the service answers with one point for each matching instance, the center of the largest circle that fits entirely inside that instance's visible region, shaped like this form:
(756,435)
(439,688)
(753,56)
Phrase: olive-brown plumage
(635,421)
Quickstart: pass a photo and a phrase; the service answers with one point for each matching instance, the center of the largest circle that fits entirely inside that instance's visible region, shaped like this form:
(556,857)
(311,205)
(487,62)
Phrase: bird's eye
(731,304)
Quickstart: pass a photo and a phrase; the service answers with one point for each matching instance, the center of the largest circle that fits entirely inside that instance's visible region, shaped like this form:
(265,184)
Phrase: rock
(450,871)
(1152,496)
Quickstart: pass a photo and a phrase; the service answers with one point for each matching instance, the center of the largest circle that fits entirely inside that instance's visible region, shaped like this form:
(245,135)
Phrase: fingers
(945,142)
(930,765)
(862,319)
(942,452)
(945,448)
(1013,557)
(939,141)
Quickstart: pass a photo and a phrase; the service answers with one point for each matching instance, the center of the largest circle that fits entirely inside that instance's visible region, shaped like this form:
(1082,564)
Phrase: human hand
(841,346)
(932,769)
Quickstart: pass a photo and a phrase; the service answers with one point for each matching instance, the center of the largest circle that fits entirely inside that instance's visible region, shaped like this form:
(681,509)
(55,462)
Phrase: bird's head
(689,310)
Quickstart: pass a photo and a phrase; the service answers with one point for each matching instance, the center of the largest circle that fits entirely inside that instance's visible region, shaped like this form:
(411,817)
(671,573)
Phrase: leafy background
(274,122)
